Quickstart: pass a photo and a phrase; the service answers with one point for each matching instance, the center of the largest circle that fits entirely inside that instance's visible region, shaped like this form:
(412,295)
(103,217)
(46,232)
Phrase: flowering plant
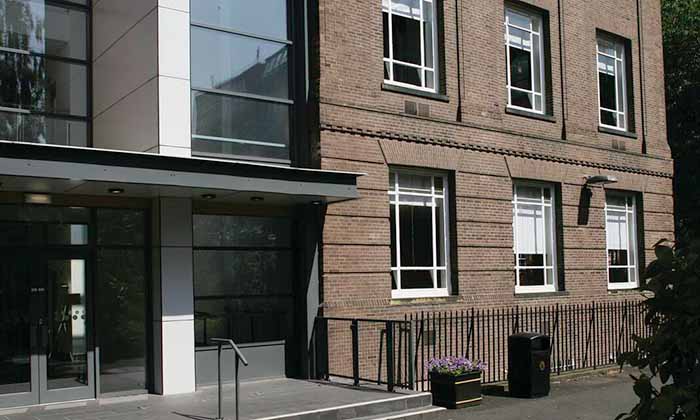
(454,366)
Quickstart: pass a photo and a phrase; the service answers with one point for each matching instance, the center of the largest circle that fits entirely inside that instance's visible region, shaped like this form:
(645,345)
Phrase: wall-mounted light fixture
(600,180)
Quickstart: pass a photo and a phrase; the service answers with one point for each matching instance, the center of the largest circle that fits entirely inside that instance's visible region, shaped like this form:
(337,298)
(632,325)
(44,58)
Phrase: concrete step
(422,413)
(385,408)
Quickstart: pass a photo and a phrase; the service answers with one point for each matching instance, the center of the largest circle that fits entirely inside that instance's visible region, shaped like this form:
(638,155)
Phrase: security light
(600,179)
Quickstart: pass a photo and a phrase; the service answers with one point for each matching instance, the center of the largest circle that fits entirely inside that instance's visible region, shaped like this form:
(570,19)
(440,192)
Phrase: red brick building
(538,176)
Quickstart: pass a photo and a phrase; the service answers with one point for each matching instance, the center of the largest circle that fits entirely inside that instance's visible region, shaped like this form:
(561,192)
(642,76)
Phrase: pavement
(597,396)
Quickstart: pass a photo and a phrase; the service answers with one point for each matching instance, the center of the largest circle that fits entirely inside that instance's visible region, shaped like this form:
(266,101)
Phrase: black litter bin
(528,365)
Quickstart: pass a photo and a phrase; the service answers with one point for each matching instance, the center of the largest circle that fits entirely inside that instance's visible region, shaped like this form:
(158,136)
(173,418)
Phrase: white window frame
(546,288)
(424,69)
(632,246)
(535,30)
(621,78)
(434,195)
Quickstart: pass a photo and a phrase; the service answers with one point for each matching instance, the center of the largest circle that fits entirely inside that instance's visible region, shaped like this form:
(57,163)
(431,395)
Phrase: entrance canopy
(38,168)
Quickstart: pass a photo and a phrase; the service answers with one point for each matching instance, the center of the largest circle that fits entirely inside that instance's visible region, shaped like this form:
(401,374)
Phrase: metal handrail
(238,357)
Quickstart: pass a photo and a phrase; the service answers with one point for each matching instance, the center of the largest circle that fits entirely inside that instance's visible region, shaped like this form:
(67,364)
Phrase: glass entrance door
(45,350)
(65,360)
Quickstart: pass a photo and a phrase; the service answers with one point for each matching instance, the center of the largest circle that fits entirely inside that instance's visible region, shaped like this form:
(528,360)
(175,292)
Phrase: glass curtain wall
(241,71)
(121,299)
(44,72)
(243,271)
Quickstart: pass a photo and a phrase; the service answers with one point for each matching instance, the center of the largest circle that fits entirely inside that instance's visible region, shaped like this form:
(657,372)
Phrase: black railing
(395,352)
(238,357)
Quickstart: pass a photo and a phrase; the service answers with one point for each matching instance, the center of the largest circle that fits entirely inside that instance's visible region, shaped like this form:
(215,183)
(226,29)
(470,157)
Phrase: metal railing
(238,357)
(395,352)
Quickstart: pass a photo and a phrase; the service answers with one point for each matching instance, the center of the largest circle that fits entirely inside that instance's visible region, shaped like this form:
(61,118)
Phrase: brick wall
(364,128)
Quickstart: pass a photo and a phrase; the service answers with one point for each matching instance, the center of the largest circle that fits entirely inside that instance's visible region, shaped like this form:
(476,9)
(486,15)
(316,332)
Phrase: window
(410,46)
(534,238)
(44,72)
(243,278)
(525,60)
(419,235)
(621,228)
(612,84)
(241,94)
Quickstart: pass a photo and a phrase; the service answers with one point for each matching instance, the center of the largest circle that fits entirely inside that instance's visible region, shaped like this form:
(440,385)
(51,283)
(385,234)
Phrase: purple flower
(452,365)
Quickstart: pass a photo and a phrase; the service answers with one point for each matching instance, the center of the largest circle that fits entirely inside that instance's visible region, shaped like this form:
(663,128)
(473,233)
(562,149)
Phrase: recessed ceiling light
(37,198)
(116,191)
(317,202)
(257,199)
(208,196)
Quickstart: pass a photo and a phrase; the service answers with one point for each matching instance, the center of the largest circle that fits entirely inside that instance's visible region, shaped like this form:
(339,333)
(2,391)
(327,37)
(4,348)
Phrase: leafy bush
(455,366)
(671,355)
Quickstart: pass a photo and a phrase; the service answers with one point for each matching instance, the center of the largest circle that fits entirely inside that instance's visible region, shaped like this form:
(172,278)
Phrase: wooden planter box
(456,391)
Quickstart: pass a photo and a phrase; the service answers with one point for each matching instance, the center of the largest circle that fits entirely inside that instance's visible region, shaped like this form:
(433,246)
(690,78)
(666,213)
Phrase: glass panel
(537,63)
(617,257)
(606,47)
(532,277)
(406,39)
(241,64)
(621,91)
(15,368)
(520,69)
(518,20)
(241,231)
(415,225)
(67,234)
(49,130)
(618,275)
(617,230)
(42,84)
(428,33)
(519,39)
(521,99)
(550,235)
(531,260)
(531,229)
(242,273)
(44,29)
(245,320)
(385,27)
(67,342)
(407,74)
(120,227)
(607,91)
(237,126)
(260,17)
(442,279)
(608,118)
(430,79)
(529,193)
(121,317)
(408,8)
(20,234)
(440,232)
(415,183)
(393,235)
(417,279)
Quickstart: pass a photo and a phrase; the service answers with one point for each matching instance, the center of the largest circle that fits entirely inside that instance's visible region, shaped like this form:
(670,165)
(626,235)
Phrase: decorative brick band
(486,149)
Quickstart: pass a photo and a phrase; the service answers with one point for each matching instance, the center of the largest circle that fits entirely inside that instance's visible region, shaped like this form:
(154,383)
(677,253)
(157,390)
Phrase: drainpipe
(642,84)
(562,68)
(459,64)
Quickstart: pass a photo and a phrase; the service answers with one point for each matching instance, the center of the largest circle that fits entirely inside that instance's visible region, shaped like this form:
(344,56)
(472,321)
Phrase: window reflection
(43,70)
(243,278)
